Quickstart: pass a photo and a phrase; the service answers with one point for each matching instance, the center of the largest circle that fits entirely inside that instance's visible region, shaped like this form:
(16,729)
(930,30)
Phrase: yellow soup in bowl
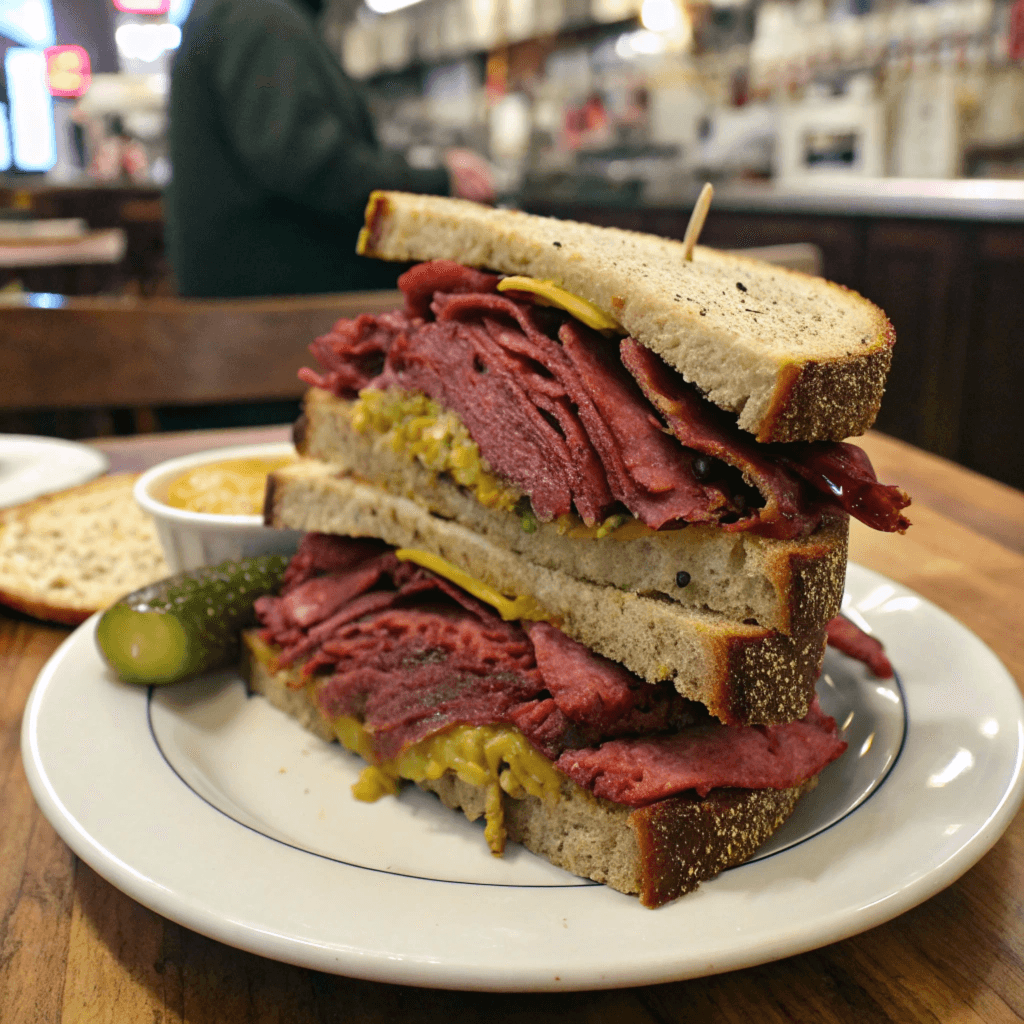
(231,488)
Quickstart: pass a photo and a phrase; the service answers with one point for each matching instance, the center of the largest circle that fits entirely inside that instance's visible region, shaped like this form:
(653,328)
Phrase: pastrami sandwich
(548,456)
(615,509)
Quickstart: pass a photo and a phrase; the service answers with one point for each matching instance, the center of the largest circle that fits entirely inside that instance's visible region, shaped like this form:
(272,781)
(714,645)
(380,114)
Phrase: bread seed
(682,578)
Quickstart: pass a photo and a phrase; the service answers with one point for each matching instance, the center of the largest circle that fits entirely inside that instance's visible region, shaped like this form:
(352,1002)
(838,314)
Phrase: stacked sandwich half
(577,522)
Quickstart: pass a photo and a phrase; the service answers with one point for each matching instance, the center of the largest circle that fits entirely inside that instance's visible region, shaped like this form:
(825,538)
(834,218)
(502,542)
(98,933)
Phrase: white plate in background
(222,814)
(31,466)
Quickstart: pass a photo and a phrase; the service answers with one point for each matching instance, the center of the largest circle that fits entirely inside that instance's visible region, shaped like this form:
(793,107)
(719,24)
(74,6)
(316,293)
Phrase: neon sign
(143,6)
(68,71)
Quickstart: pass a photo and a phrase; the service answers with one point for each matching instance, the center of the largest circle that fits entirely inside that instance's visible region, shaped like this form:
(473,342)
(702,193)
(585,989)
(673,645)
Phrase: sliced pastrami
(612,440)
(466,643)
(592,698)
(840,473)
(298,644)
(849,638)
(460,366)
(703,428)
(419,284)
(321,553)
(526,350)
(648,472)
(410,673)
(314,608)
(316,599)
(585,686)
(844,473)
(647,455)
(642,770)
(588,481)
(554,413)
(414,658)
(352,353)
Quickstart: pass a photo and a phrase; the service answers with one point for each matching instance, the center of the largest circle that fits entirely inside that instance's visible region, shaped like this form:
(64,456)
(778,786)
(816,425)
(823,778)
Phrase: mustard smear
(618,527)
(497,757)
(509,609)
(416,426)
(553,295)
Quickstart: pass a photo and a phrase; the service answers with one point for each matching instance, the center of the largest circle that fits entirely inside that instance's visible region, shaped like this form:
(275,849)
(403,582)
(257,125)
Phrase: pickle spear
(188,623)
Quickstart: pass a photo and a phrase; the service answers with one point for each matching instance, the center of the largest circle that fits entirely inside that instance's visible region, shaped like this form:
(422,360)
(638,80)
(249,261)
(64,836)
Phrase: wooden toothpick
(697,218)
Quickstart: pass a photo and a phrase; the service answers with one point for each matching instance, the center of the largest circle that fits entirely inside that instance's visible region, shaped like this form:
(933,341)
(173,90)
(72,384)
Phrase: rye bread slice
(793,356)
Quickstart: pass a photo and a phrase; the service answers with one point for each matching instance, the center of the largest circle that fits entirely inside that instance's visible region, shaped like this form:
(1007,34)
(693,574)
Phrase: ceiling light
(661,16)
(146,42)
(389,6)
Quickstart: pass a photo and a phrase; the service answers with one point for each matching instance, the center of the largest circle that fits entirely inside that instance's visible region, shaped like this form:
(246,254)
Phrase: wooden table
(74,949)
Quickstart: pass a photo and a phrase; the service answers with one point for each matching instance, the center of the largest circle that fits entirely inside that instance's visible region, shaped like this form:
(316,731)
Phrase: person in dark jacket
(274,155)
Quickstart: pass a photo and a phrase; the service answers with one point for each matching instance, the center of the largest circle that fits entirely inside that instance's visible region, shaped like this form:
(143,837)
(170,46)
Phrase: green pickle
(187,624)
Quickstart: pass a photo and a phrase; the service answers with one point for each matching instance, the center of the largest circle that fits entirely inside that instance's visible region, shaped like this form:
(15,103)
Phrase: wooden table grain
(77,951)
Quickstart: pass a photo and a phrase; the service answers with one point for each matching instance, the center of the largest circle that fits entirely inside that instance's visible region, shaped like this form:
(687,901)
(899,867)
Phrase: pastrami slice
(420,283)
(844,472)
(700,426)
(839,472)
(641,770)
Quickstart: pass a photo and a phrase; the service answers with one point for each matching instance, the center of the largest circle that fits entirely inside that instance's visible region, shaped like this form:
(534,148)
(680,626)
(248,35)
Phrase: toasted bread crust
(791,586)
(48,612)
(795,357)
(806,396)
(659,852)
(742,673)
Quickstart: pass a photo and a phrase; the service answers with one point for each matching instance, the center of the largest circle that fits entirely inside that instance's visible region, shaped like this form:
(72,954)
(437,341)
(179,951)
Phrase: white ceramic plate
(31,466)
(222,814)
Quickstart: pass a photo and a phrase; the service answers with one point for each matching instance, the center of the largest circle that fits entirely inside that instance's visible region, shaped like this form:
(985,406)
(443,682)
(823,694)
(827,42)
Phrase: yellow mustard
(232,488)
(415,425)
(497,757)
(551,294)
(510,609)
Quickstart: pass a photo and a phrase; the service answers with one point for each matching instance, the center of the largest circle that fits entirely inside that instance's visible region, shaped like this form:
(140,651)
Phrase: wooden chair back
(65,353)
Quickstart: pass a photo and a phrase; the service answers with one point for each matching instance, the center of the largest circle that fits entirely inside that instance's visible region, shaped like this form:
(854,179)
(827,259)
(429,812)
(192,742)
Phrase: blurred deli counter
(944,259)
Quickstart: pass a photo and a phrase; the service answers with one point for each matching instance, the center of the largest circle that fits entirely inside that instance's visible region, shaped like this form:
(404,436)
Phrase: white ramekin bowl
(194,539)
